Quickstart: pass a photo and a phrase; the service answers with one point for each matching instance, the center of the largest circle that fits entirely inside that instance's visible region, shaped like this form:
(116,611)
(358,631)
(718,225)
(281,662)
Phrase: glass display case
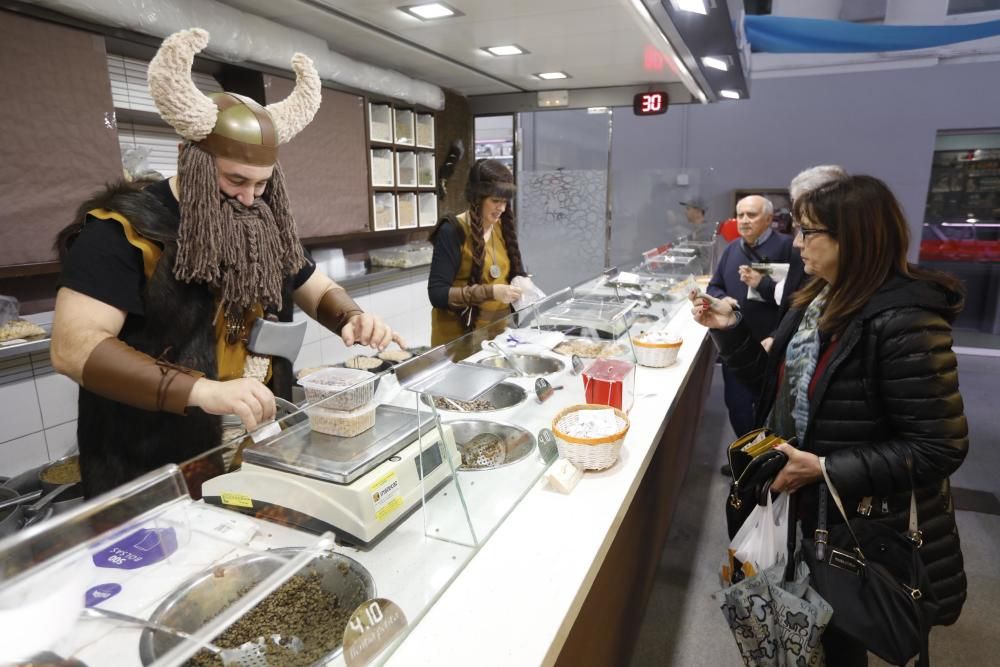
(404,134)
(406,169)
(384,208)
(406,210)
(425,169)
(428,209)
(380,122)
(384,484)
(382,168)
(425,130)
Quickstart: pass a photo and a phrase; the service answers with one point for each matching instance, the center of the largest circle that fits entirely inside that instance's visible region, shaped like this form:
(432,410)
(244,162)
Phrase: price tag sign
(371,629)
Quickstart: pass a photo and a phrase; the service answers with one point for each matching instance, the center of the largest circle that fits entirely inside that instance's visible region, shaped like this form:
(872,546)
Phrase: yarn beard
(242,252)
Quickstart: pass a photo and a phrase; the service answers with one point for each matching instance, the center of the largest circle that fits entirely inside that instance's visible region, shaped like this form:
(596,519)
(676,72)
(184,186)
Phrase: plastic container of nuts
(339,388)
(342,423)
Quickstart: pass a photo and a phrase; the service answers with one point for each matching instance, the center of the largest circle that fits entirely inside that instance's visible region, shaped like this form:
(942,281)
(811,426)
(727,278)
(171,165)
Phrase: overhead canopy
(783,34)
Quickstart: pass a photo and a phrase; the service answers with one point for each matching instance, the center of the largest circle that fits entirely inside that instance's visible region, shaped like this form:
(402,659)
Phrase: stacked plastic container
(341,400)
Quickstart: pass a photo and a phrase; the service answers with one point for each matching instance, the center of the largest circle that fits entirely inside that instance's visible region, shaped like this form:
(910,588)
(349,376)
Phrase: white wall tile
(391,302)
(24,453)
(310,355)
(61,440)
(19,413)
(335,352)
(57,396)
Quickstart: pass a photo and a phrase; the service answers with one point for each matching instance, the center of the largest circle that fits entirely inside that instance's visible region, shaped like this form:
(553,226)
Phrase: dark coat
(889,391)
(119,442)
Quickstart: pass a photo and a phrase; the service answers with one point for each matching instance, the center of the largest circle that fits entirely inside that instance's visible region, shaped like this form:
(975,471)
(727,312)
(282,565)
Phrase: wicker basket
(589,453)
(656,355)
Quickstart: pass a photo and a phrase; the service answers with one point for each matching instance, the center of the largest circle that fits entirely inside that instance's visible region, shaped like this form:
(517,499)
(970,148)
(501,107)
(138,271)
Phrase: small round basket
(656,354)
(595,453)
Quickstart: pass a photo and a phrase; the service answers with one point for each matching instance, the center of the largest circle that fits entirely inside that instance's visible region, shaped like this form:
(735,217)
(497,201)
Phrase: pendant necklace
(494,268)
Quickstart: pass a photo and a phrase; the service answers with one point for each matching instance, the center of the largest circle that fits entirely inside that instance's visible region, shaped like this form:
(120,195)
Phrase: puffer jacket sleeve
(742,354)
(913,379)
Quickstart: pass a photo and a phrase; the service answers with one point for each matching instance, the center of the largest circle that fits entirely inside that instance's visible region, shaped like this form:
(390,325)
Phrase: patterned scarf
(791,407)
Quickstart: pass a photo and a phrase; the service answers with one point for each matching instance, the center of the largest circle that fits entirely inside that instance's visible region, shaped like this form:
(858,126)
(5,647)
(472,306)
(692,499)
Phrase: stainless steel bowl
(515,441)
(208,594)
(530,365)
(504,395)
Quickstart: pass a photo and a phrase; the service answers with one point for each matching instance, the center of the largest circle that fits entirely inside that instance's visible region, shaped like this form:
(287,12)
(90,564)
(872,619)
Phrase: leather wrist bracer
(117,371)
(469,295)
(335,309)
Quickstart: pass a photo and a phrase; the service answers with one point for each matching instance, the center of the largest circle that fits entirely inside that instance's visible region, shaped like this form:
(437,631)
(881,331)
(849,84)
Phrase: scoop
(249,654)
(509,358)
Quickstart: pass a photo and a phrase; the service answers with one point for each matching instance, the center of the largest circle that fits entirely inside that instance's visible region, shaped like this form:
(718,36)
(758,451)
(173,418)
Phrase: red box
(610,382)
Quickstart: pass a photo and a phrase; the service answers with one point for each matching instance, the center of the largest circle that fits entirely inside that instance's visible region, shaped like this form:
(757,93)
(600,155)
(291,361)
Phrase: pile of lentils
(298,608)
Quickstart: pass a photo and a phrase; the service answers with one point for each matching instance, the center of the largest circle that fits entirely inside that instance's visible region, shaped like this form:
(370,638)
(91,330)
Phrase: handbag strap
(836,501)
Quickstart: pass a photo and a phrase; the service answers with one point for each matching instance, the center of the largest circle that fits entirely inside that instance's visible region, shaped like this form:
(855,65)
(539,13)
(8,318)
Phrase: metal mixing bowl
(504,395)
(517,442)
(530,365)
(206,595)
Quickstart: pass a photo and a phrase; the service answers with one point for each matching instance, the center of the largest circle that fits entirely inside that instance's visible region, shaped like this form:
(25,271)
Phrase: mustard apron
(446,325)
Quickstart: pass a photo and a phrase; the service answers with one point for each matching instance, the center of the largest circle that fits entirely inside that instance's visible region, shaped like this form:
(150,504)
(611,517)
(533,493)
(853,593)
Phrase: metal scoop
(509,358)
(486,450)
(250,654)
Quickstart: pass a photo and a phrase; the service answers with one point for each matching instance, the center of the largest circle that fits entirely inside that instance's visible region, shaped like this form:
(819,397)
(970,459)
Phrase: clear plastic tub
(403,256)
(341,423)
(329,385)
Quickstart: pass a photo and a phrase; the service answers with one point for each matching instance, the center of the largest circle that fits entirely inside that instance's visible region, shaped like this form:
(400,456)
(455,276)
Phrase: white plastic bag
(529,292)
(762,541)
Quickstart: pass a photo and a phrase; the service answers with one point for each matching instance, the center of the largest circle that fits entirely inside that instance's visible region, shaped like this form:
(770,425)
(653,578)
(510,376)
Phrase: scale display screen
(429,460)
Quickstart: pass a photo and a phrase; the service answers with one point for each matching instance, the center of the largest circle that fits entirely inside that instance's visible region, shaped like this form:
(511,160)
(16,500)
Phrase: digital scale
(356,487)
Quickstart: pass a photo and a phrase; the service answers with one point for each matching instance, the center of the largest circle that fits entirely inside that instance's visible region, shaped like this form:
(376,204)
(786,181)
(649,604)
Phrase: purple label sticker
(142,548)
(100,593)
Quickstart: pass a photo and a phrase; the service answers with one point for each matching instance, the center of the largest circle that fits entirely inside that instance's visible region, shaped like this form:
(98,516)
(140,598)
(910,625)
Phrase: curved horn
(180,103)
(293,113)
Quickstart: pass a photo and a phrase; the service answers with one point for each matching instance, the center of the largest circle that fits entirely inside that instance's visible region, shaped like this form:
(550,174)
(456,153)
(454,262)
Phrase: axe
(276,339)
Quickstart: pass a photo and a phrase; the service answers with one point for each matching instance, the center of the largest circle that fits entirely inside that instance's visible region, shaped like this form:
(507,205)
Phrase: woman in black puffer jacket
(863,373)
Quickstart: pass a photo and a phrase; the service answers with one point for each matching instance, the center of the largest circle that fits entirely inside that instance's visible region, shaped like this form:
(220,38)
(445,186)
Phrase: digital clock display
(652,103)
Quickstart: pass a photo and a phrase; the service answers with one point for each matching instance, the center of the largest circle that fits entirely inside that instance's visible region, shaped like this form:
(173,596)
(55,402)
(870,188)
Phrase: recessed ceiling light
(430,11)
(550,76)
(715,63)
(504,50)
(730,94)
(696,6)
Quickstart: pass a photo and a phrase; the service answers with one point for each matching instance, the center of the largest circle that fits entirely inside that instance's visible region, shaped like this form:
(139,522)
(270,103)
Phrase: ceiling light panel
(695,6)
(730,94)
(430,11)
(715,63)
(505,50)
(552,76)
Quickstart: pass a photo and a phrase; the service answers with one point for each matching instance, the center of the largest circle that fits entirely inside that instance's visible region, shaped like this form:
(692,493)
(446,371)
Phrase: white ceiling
(597,42)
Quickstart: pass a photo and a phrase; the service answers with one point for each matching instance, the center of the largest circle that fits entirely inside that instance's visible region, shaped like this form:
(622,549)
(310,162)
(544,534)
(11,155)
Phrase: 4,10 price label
(372,627)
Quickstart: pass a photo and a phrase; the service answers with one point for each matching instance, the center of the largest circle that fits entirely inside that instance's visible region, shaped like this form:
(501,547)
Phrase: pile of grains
(363,363)
(67,472)
(590,349)
(467,406)
(395,356)
(299,608)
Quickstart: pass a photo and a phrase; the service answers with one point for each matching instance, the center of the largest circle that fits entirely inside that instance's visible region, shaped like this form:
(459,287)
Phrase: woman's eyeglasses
(806,232)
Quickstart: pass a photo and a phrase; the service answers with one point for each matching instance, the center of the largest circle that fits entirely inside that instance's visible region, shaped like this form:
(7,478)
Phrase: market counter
(565,578)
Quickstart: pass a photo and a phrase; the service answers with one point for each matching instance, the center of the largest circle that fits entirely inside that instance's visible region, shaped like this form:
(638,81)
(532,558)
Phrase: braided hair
(490,178)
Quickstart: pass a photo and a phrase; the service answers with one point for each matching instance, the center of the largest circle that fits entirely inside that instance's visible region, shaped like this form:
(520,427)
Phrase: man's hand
(801,470)
(368,329)
(731,302)
(767,343)
(506,293)
(749,276)
(246,398)
(711,312)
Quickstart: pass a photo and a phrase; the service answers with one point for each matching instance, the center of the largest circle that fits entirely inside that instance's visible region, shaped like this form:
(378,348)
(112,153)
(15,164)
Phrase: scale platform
(356,487)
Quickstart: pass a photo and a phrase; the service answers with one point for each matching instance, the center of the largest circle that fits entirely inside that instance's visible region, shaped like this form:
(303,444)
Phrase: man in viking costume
(160,286)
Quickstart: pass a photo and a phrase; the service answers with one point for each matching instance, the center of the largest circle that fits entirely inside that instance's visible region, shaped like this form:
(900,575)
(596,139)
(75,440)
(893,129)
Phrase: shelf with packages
(436,454)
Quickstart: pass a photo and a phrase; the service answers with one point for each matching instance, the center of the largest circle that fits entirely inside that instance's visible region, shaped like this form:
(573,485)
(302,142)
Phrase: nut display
(339,388)
(395,356)
(467,406)
(590,349)
(362,362)
(299,608)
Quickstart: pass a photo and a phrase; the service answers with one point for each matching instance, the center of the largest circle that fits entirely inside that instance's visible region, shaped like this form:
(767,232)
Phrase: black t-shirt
(103,265)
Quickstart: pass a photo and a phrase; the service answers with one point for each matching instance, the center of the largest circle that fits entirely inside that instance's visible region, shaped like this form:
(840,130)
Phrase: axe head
(276,339)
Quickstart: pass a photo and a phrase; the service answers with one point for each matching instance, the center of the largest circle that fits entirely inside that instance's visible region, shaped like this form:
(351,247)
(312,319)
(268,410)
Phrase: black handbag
(875,581)
(754,463)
